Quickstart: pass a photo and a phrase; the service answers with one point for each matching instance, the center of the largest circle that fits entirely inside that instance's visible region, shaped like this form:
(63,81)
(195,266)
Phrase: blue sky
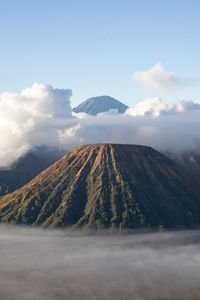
(94,47)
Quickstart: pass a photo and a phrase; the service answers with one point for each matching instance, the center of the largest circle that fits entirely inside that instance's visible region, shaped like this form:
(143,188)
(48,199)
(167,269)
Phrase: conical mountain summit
(96,105)
(107,186)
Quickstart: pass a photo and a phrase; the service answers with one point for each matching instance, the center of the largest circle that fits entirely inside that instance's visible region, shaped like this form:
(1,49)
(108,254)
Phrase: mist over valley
(50,265)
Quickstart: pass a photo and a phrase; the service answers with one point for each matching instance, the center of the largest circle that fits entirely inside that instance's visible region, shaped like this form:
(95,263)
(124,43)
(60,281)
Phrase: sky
(102,48)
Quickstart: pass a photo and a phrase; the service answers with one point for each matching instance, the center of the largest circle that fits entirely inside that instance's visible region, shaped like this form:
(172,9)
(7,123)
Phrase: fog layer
(43,265)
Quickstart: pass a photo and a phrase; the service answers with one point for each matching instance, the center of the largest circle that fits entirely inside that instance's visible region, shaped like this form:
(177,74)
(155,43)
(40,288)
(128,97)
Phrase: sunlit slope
(96,105)
(107,185)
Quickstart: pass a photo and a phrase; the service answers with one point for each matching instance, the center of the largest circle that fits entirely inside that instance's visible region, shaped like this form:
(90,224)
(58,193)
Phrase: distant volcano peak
(95,105)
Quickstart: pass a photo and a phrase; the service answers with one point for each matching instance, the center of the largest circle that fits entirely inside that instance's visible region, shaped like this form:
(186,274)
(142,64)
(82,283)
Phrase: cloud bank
(157,77)
(155,107)
(43,265)
(42,115)
(32,118)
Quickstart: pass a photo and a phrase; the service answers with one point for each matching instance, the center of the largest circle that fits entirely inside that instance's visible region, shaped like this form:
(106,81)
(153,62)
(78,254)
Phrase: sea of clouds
(49,265)
(42,116)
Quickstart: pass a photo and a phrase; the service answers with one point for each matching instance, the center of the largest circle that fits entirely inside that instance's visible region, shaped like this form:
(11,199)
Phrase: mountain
(104,186)
(26,168)
(190,160)
(96,105)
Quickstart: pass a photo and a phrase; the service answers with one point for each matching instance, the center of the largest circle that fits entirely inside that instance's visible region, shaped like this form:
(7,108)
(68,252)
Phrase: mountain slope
(107,185)
(189,160)
(26,168)
(95,105)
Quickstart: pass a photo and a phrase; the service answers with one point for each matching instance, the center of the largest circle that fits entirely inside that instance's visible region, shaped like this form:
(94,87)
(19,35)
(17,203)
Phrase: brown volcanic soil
(107,185)
(26,168)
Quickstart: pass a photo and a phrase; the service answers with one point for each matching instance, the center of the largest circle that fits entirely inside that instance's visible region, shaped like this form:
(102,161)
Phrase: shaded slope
(26,168)
(107,185)
(95,105)
(190,160)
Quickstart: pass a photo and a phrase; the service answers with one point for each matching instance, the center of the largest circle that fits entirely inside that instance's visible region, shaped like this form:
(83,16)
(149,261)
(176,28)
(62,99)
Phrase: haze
(38,264)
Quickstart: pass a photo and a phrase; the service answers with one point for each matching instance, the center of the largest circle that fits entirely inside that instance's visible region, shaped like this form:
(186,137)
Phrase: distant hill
(26,168)
(190,160)
(95,105)
(107,186)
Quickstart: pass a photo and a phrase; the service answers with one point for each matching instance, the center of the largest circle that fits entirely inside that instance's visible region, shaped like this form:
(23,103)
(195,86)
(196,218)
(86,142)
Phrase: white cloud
(42,115)
(172,126)
(155,107)
(157,77)
(174,132)
(32,118)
